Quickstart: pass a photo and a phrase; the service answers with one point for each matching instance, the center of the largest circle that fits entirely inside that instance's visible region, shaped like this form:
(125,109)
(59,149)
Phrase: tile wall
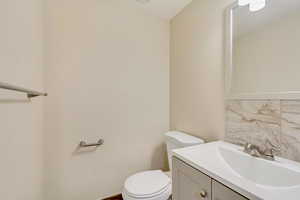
(258,121)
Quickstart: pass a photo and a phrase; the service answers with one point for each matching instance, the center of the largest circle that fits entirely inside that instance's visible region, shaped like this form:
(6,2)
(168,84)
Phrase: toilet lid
(149,183)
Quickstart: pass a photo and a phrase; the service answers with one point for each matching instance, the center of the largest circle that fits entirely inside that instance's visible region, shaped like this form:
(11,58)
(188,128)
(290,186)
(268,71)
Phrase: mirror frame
(228,44)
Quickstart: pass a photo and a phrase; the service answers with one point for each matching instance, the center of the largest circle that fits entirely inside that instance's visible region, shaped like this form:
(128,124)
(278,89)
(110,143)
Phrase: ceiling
(166,9)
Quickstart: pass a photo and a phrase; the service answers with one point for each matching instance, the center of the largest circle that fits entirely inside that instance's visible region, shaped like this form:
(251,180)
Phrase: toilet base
(166,195)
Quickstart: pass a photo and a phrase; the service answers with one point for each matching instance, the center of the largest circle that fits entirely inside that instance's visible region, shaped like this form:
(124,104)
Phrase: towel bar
(83,144)
(30,93)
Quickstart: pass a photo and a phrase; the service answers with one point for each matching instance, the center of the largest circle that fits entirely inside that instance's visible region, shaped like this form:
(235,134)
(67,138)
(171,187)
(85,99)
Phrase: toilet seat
(163,196)
(148,185)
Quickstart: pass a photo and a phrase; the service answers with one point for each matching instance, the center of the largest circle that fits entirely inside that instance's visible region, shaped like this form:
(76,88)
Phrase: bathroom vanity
(191,184)
(222,171)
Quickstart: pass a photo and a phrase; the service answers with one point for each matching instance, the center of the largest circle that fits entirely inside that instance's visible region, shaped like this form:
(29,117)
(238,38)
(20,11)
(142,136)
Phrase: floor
(118,197)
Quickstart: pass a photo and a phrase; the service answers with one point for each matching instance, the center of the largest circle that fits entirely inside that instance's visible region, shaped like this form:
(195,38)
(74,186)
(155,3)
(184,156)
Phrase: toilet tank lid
(183,138)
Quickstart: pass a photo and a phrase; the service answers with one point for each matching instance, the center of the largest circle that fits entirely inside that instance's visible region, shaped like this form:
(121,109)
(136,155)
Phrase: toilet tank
(176,140)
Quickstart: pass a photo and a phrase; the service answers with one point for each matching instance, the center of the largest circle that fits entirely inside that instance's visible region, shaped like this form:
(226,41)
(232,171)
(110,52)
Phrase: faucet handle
(248,147)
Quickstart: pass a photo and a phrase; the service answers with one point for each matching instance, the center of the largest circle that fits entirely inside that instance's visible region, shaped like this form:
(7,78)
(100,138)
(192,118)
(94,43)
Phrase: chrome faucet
(252,150)
(270,149)
(256,151)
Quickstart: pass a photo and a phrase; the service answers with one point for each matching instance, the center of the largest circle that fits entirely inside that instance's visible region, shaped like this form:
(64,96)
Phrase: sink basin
(261,172)
(254,178)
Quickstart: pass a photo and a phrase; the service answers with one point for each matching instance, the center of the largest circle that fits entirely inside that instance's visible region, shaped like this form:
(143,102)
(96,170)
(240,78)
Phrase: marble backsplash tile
(253,121)
(290,129)
(258,121)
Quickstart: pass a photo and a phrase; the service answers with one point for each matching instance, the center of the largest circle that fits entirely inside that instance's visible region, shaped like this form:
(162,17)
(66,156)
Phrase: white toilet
(157,185)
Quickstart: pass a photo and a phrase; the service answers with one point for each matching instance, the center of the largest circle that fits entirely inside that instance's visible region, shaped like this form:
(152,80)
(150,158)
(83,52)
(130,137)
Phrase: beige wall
(21,60)
(108,76)
(197,84)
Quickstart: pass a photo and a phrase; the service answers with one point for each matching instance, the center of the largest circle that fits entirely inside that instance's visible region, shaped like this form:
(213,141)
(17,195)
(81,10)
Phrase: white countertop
(207,159)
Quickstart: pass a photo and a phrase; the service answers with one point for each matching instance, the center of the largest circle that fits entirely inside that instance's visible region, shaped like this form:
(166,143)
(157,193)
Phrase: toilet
(156,184)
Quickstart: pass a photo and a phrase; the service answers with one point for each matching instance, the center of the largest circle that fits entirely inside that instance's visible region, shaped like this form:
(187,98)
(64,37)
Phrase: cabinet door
(189,183)
(221,192)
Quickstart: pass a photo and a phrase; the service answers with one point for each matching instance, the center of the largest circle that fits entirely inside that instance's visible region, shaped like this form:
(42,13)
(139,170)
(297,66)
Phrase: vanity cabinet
(191,184)
(221,192)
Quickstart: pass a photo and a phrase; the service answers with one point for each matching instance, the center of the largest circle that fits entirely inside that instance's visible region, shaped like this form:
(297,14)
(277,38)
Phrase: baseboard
(116,197)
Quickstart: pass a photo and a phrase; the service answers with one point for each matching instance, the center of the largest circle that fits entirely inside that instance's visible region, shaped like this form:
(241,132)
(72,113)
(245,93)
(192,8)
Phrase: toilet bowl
(156,184)
(148,185)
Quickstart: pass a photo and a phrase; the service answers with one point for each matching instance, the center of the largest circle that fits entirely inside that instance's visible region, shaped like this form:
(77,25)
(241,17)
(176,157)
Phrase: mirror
(263,51)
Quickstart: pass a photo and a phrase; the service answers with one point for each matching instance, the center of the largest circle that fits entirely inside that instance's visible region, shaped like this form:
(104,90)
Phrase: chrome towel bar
(30,93)
(83,144)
